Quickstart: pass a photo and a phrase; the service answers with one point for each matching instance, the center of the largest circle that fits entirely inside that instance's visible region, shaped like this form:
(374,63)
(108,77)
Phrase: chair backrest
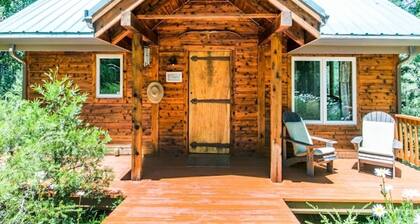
(378,132)
(297,131)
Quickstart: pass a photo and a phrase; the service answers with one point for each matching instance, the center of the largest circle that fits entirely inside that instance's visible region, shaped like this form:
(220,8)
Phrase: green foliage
(49,156)
(10,7)
(10,70)
(410,89)
(387,213)
(410,73)
(411,6)
(110,76)
(352,217)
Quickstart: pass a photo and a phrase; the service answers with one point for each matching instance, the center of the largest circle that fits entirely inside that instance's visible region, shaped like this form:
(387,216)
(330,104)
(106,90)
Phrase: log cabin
(227,68)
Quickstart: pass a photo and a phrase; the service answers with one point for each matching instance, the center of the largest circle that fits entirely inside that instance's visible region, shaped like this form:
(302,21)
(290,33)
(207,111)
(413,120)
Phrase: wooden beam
(154,70)
(297,34)
(262,68)
(137,73)
(308,10)
(276,107)
(111,15)
(130,22)
(224,16)
(296,18)
(119,37)
(282,23)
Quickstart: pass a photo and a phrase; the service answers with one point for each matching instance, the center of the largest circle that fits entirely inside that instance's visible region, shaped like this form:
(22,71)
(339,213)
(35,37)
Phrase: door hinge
(210,58)
(214,145)
(220,101)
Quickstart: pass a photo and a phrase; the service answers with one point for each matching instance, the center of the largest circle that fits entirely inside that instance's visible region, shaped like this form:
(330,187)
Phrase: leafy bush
(48,156)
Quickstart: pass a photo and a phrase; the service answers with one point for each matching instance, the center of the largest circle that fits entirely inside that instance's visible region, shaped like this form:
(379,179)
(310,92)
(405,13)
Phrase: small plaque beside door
(174,77)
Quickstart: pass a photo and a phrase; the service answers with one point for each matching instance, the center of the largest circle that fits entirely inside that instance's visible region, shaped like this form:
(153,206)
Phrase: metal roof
(350,22)
(367,18)
(318,9)
(50,17)
(364,27)
(52,25)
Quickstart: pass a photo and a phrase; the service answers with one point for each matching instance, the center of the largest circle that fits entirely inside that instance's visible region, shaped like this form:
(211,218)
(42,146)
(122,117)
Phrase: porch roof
(355,23)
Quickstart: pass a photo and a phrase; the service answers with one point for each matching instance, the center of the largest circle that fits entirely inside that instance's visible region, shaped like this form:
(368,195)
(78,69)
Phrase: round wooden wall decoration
(155,92)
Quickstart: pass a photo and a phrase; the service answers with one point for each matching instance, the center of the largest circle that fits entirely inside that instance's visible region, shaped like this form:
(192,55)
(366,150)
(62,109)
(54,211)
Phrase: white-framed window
(109,76)
(324,89)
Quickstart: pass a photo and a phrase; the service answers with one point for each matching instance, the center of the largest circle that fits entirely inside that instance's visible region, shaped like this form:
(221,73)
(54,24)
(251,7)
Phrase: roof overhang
(351,44)
(51,42)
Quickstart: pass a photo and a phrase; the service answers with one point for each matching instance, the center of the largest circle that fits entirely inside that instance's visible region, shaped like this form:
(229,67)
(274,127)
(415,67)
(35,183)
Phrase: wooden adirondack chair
(301,141)
(377,146)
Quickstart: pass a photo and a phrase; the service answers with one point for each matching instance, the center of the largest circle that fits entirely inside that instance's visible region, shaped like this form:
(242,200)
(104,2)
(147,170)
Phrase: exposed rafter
(120,36)
(307,9)
(231,16)
(130,22)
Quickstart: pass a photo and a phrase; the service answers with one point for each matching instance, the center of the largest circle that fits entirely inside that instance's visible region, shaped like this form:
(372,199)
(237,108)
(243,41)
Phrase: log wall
(176,39)
(376,86)
(113,115)
(376,83)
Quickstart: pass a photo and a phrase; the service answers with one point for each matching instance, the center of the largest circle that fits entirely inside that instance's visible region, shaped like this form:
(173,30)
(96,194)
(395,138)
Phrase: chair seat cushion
(376,152)
(324,151)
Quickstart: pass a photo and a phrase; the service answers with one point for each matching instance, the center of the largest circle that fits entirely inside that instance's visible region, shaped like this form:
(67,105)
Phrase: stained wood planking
(175,39)
(376,88)
(210,79)
(243,192)
(376,91)
(376,82)
(113,115)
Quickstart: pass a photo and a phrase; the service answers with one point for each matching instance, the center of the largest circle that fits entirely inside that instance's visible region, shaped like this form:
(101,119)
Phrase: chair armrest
(329,143)
(397,144)
(357,140)
(297,142)
(323,140)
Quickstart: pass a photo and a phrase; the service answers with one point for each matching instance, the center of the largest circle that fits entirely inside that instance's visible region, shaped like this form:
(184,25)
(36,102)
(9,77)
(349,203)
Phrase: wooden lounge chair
(302,145)
(377,145)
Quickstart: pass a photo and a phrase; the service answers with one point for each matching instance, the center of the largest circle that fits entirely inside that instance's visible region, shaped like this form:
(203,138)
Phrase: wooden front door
(209,102)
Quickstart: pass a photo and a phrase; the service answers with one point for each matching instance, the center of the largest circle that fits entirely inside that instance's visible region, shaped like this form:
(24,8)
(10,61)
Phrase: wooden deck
(174,193)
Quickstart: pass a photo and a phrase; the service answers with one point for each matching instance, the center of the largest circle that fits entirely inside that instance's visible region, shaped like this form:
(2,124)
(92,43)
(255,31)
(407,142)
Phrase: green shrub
(386,213)
(48,156)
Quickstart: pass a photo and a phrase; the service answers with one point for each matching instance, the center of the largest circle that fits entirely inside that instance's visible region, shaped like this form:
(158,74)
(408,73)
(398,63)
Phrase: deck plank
(174,193)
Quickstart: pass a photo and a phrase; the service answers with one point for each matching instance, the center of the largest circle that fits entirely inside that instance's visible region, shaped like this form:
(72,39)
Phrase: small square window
(109,76)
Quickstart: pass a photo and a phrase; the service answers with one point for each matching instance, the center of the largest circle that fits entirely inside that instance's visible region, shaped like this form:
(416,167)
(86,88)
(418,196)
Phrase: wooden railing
(408,133)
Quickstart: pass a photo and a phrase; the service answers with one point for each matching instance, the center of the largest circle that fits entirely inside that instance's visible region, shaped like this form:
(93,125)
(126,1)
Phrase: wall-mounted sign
(174,77)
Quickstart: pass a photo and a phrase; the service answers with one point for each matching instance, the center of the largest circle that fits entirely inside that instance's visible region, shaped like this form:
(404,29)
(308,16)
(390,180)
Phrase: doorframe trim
(197,48)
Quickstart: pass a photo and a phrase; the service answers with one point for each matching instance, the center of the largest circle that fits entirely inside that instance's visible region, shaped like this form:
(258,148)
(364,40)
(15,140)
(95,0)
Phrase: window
(109,76)
(324,89)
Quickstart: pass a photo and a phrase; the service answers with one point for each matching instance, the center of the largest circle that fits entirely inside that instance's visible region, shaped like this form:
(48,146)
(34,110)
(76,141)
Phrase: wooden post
(276,108)
(155,107)
(137,74)
(261,99)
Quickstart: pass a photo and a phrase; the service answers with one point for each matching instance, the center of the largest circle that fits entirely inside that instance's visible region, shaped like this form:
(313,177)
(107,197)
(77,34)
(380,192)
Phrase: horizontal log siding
(376,86)
(113,115)
(175,40)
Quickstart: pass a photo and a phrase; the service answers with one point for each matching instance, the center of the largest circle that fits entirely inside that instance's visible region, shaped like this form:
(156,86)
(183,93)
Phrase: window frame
(323,88)
(98,76)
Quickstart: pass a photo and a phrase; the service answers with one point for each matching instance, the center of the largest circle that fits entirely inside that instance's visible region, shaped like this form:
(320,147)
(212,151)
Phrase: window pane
(308,89)
(110,76)
(339,91)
